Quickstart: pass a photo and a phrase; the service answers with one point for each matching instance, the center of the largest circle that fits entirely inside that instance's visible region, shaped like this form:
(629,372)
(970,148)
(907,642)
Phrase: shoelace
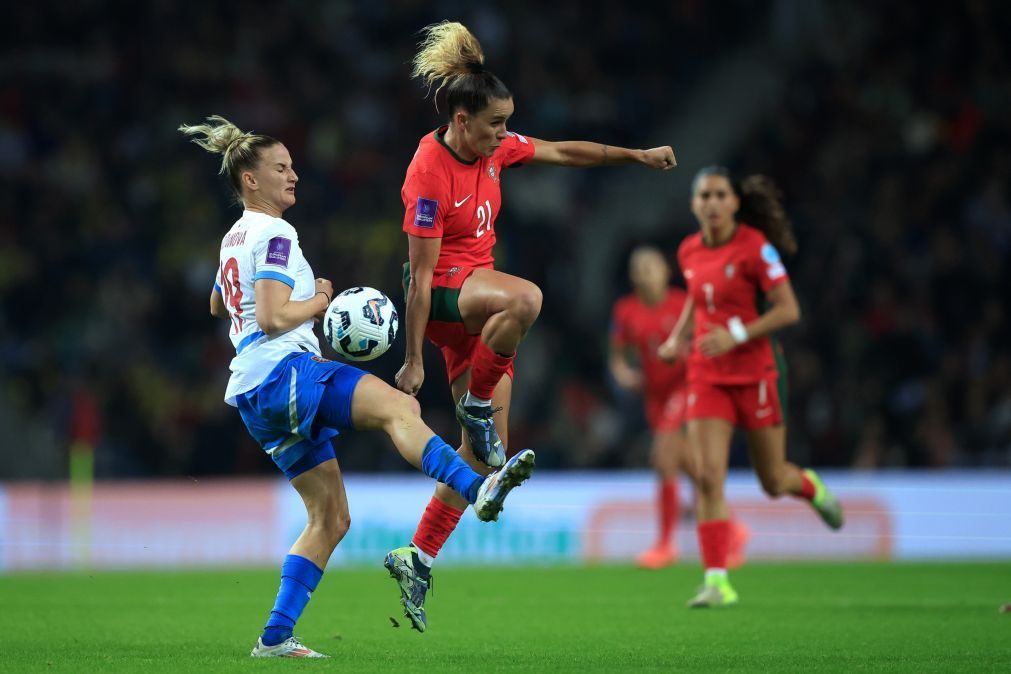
(294,643)
(482,415)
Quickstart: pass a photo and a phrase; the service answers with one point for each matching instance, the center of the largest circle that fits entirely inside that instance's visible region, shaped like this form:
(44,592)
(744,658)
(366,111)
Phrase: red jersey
(445,196)
(725,282)
(644,327)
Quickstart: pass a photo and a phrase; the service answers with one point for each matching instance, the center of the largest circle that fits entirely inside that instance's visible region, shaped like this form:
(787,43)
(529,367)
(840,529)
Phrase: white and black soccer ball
(361,323)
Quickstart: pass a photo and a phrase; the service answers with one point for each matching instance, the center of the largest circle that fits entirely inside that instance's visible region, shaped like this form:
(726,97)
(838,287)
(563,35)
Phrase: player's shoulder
(517,139)
(263,227)
(676,295)
(278,227)
(625,303)
(429,155)
(690,244)
(750,236)
(429,163)
(753,242)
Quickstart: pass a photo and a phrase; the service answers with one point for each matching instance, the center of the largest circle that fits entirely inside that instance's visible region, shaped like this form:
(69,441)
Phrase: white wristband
(737,330)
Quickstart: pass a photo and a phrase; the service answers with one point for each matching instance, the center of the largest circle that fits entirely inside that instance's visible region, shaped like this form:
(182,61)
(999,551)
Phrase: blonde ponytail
(240,151)
(447,52)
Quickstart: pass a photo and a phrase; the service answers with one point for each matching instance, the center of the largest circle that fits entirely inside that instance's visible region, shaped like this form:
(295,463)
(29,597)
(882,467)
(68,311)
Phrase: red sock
(435,526)
(669,507)
(714,541)
(807,488)
(486,369)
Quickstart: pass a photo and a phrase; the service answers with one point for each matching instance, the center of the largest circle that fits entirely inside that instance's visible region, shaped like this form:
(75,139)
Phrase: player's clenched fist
(660,158)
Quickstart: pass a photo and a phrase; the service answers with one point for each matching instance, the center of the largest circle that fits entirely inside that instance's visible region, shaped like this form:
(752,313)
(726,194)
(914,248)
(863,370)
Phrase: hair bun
(236,141)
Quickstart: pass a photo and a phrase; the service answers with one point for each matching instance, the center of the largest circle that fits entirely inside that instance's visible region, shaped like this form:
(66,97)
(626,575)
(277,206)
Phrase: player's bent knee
(413,406)
(400,406)
(526,305)
(382,406)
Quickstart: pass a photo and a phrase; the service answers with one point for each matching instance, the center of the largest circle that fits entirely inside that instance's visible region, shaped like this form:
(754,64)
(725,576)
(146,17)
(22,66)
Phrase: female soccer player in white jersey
(291,399)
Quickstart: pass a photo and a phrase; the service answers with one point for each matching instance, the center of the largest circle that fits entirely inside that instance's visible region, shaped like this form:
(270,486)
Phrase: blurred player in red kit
(739,294)
(476,315)
(640,322)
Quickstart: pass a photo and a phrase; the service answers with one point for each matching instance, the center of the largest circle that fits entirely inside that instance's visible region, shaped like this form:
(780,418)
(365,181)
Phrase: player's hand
(716,342)
(628,379)
(410,377)
(324,286)
(660,158)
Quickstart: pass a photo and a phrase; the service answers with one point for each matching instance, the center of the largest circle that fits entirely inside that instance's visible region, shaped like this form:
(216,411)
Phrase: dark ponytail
(762,207)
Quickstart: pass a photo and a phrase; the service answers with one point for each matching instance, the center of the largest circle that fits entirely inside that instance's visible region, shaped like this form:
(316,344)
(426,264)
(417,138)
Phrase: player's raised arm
(423,253)
(583,154)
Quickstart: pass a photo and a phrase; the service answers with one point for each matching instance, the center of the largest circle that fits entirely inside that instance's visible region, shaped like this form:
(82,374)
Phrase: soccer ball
(360,323)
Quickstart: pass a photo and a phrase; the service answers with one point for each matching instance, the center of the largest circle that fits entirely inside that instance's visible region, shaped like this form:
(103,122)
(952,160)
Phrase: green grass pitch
(792,617)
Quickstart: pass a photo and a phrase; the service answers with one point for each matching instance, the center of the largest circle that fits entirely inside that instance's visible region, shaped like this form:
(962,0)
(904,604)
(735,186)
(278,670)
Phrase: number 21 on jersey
(484,216)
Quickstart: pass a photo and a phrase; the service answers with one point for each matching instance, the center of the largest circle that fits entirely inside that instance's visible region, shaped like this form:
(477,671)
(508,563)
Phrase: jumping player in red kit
(476,315)
(738,295)
(640,322)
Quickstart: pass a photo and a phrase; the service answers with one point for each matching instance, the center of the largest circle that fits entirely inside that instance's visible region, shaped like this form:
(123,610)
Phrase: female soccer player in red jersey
(475,314)
(640,321)
(738,296)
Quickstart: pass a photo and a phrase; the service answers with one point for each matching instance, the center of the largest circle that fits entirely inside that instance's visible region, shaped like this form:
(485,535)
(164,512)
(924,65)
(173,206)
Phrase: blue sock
(438,460)
(299,577)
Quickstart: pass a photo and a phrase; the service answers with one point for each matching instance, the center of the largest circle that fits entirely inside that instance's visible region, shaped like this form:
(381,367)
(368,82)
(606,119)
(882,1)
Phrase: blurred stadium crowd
(892,149)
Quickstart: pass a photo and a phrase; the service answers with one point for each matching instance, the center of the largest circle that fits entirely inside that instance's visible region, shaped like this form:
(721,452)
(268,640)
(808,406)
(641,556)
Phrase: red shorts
(667,412)
(445,326)
(747,406)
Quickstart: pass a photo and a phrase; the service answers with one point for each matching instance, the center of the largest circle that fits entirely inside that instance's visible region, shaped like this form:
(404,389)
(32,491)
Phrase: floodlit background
(886,125)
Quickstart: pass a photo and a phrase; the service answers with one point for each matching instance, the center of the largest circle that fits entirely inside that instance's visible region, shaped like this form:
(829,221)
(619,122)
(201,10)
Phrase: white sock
(470,399)
(424,557)
(715,575)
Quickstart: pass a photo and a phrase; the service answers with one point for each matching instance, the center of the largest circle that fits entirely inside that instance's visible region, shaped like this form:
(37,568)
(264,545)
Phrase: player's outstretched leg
(378,406)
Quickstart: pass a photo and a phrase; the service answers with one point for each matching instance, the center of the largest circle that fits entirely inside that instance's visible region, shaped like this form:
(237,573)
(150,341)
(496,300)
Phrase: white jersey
(259,246)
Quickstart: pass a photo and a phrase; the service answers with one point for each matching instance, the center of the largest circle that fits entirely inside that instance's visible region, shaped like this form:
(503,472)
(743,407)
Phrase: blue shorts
(303,403)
